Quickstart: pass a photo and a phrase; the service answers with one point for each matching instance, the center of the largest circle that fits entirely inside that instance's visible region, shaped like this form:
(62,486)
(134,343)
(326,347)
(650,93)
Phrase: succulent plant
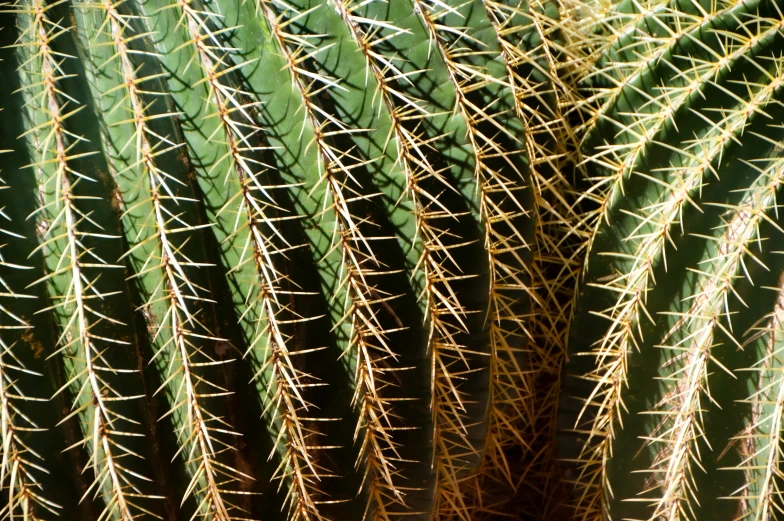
(675,395)
(358,207)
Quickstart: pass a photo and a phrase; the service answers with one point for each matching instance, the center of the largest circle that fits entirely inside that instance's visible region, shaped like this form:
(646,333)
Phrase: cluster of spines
(286,385)
(595,29)
(161,269)
(64,230)
(180,295)
(637,131)
(632,134)
(677,435)
(20,463)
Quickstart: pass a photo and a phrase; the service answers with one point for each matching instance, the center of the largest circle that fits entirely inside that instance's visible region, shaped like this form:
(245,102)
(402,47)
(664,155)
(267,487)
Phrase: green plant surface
(286,260)
(673,345)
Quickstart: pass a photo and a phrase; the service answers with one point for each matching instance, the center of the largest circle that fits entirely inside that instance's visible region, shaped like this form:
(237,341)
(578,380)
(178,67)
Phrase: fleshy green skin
(673,397)
(282,253)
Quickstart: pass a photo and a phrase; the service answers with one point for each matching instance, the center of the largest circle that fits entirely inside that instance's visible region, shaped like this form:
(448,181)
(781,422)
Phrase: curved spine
(367,338)
(375,415)
(509,277)
(20,463)
(284,393)
(681,428)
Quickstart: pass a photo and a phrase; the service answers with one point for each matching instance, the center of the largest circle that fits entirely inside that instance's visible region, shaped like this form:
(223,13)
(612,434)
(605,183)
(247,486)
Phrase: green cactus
(674,396)
(280,259)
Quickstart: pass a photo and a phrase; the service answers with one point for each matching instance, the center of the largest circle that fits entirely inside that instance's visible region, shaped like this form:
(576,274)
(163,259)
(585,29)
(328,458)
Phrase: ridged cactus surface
(676,394)
(267,259)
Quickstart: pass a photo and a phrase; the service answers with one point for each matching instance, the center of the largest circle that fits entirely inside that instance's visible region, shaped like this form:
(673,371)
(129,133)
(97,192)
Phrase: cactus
(291,259)
(674,394)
